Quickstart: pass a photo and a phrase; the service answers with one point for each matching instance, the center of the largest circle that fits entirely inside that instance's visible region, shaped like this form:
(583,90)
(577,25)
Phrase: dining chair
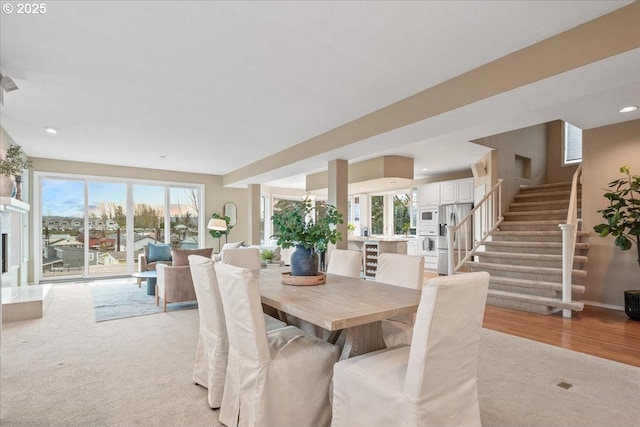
(399,270)
(432,382)
(210,366)
(345,263)
(248,258)
(280,378)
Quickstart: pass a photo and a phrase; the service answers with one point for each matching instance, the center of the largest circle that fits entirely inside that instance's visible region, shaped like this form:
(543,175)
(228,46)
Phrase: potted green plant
(350,229)
(299,226)
(267,255)
(12,164)
(623,222)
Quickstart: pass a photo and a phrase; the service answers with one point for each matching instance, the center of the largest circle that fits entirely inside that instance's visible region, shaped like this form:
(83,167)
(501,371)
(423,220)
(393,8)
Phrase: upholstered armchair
(154,254)
(175,283)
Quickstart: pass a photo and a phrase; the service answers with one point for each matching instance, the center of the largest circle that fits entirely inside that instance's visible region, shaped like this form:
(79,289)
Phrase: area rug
(527,383)
(118,301)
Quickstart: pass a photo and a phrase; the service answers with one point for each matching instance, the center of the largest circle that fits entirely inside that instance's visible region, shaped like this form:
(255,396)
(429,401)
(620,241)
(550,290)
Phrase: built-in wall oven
(428,244)
(427,217)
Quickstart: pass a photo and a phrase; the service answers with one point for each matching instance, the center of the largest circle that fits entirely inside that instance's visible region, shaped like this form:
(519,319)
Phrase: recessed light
(425,169)
(163,157)
(52,131)
(628,109)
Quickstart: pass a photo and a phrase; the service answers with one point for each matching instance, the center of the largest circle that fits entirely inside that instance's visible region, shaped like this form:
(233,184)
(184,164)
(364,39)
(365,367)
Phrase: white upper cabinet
(456,191)
(429,194)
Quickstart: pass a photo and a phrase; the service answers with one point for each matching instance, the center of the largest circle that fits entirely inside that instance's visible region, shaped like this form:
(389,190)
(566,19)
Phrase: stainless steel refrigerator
(452,215)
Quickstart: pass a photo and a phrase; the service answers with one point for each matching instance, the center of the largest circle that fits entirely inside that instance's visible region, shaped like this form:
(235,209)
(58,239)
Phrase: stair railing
(484,218)
(569,237)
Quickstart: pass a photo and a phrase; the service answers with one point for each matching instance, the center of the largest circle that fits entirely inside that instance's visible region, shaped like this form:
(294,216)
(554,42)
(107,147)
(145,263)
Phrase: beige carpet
(68,370)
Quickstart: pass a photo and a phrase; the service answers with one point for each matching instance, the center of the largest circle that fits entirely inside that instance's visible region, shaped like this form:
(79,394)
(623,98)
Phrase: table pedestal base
(151,285)
(363,339)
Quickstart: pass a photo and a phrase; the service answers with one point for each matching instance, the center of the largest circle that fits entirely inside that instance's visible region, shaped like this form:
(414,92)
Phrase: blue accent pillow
(159,252)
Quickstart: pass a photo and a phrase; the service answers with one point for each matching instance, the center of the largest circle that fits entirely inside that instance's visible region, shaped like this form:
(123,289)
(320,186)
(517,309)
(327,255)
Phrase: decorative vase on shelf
(18,193)
(304,262)
(7,186)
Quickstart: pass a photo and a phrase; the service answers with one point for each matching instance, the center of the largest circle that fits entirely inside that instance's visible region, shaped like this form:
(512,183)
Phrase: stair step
(540,284)
(539,205)
(558,186)
(529,257)
(536,215)
(546,274)
(542,225)
(545,196)
(535,300)
(532,236)
(530,247)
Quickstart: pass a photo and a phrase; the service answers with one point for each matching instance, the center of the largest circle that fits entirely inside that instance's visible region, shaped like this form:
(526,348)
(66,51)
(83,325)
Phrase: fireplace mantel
(11,204)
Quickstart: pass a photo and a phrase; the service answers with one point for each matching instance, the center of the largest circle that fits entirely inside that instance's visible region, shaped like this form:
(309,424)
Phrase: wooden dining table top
(342,302)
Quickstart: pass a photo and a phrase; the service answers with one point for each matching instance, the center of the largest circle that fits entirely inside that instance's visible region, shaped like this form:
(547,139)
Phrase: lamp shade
(217,224)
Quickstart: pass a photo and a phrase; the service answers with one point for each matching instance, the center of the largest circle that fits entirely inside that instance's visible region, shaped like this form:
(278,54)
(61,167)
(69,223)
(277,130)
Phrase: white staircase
(524,254)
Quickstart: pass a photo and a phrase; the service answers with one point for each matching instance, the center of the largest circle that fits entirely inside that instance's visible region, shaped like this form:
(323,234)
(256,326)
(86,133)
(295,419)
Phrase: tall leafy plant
(623,214)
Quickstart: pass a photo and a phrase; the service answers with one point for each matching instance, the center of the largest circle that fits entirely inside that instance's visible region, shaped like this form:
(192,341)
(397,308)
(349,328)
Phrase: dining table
(353,305)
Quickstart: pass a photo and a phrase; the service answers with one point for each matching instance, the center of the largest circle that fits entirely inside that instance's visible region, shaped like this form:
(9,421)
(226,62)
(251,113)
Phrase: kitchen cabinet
(429,195)
(456,191)
(412,247)
(373,249)
(431,262)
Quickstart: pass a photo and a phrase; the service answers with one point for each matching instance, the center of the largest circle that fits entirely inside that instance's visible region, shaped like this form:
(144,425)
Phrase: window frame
(566,133)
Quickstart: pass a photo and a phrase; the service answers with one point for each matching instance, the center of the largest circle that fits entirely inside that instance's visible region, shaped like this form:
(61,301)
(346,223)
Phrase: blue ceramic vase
(304,262)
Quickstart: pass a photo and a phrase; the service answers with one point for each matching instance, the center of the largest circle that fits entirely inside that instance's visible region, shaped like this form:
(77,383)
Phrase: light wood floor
(600,332)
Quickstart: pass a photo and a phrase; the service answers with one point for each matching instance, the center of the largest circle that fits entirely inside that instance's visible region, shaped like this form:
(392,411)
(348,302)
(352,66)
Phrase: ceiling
(214,87)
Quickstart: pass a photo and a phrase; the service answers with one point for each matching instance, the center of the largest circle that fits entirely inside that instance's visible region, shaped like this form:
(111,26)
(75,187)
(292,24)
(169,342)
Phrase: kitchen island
(372,246)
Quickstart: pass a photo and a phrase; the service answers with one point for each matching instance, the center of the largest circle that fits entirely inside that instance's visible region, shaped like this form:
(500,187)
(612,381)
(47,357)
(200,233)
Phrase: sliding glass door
(97,227)
(107,206)
(62,219)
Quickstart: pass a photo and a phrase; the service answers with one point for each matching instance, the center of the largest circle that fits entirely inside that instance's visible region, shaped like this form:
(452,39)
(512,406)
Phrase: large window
(402,204)
(98,226)
(377,214)
(393,213)
(572,144)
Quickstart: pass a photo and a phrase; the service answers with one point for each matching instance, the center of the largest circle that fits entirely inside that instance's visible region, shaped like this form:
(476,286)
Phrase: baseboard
(599,304)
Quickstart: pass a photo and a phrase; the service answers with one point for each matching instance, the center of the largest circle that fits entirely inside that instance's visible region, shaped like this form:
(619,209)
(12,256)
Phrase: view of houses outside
(67,249)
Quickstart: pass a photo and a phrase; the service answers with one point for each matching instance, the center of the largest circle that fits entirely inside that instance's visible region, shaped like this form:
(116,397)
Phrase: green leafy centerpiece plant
(299,226)
(623,222)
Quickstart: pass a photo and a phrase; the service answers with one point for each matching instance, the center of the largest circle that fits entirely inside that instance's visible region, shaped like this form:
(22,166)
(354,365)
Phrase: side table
(151,277)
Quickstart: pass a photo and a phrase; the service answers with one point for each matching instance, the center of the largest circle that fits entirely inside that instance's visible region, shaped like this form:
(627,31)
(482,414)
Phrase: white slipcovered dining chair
(210,367)
(248,258)
(345,263)
(399,270)
(275,379)
(432,382)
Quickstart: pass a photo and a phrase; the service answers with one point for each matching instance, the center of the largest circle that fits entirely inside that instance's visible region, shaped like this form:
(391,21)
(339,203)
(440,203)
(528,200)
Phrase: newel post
(567,265)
